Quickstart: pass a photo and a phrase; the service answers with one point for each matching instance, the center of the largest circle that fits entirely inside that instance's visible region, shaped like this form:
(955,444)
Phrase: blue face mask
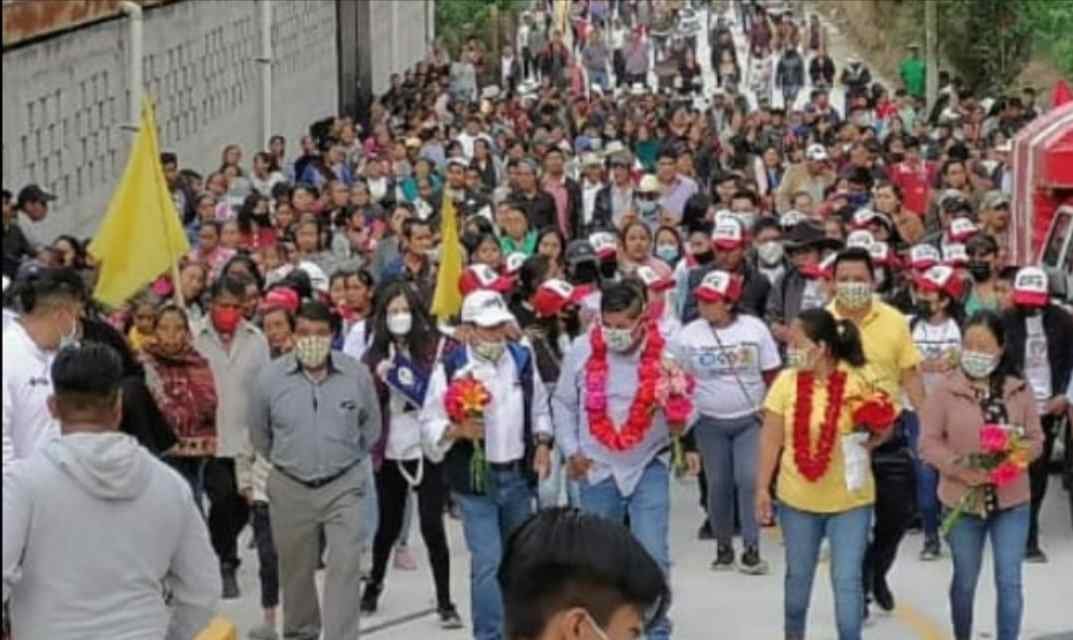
(858,200)
(667,252)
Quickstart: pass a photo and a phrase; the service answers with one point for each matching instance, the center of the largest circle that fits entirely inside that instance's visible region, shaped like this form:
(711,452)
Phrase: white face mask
(618,340)
(490,351)
(770,252)
(977,364)
(399,324)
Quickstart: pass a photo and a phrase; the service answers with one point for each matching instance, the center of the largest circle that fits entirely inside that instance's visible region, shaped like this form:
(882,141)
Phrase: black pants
(391,488)
(266,556)
(229,512)
(1037,474)
(894,510)
(618,65)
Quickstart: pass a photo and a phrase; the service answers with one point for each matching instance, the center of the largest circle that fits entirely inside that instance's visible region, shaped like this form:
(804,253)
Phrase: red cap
(1030,287)
(653,280)
(554,295)
(719,286)
(481,276)
(729,234)
(604,244)
(281,298)
(942,279)
(923,257)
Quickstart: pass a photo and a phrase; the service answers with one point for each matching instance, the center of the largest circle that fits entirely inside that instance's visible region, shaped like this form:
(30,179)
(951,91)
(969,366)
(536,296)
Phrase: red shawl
(185,392)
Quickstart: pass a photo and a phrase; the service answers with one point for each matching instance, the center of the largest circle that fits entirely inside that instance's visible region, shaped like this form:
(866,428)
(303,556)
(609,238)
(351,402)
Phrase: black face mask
(707,257)
(981,271)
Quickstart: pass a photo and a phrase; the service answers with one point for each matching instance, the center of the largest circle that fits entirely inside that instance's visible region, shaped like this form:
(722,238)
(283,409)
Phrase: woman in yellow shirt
(820,494)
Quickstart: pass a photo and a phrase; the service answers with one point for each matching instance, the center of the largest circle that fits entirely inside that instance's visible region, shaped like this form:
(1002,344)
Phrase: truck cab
(1056,254)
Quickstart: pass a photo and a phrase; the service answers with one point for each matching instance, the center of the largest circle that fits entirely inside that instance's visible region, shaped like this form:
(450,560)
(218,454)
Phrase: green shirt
(912,71)
(526,246)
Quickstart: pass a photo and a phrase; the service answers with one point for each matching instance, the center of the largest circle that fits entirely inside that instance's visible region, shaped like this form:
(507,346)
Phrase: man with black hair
(237,351)
(676,188)
(893,367)
(569,575)
(416,265)
(95,525)
(565,192)
(33,203)
(51,303)
(314,415)
(619,479)
(539,205)
(17,247)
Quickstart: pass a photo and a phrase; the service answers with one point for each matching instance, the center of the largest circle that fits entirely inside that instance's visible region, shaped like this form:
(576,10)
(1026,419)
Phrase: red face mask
(226,319)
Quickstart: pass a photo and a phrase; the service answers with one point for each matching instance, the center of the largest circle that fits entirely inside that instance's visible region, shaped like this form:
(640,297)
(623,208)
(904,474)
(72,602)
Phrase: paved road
(732,606)
(739,607)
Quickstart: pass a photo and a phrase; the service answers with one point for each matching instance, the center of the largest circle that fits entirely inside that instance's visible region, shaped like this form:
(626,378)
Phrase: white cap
(816,152)
(485,309)
(649,184)
(316,276)
(1030,287)
(604,244)
(860,238)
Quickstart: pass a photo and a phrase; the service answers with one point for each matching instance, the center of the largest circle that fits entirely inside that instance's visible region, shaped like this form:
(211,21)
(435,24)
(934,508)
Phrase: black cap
(34,193)
(580,251)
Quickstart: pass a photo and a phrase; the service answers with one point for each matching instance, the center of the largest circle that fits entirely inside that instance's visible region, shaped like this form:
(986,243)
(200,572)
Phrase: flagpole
(158,173)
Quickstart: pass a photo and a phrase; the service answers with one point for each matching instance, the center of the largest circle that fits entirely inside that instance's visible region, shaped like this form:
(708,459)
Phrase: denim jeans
(847,532)
(1008,530)
(730,448)
(599,77)
(487,522)
(927,478)
(649,508)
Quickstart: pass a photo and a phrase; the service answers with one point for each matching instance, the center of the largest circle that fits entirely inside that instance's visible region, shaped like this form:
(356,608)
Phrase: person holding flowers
(732,356)
(619,408)
(981,430)
(809,437)
(486,418)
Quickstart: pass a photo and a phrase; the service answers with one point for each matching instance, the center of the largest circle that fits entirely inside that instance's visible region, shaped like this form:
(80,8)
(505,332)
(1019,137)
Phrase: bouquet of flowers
(466,399)
(872,414)
(674,392)
(1004,455)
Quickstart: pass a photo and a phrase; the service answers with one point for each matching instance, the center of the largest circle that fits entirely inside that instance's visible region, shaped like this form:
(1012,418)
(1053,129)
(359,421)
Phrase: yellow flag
(448,299)
(141,236)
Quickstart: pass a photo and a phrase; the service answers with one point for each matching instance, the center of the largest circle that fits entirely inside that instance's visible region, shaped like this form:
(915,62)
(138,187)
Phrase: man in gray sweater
(97,532)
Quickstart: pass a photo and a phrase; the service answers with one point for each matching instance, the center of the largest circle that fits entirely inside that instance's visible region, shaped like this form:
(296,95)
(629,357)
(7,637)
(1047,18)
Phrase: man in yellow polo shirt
(893,361)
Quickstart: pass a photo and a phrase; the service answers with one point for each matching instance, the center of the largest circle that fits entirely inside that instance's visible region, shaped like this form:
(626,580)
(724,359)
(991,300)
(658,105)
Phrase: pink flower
(1004,474)
(678,409)
(994,438)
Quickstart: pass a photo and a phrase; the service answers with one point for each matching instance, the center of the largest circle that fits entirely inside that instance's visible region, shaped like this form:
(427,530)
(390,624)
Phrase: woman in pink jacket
(986,390)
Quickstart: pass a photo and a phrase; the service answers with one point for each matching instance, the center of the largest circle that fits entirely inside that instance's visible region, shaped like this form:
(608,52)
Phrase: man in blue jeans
(515,434)
(616,483)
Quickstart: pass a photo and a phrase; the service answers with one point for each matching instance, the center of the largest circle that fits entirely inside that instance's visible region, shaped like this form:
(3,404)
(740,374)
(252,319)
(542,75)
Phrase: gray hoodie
(96,531)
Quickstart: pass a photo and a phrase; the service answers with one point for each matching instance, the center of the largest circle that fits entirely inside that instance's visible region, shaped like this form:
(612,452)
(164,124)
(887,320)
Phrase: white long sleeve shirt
(27,384)
(504,419)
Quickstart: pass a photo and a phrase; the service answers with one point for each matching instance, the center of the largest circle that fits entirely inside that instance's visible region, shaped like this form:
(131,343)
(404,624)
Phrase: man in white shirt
(52,303)
(492,461)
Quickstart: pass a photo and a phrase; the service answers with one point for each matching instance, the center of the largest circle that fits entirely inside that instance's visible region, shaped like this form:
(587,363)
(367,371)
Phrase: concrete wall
(65,97)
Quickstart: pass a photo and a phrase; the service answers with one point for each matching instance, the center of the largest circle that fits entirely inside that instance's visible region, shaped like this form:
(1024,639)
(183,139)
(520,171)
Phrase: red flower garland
(639,419)
(813,465)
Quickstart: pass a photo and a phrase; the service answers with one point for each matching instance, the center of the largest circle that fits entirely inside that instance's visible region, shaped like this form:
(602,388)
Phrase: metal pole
(134,79)
(931,21)
(266,71)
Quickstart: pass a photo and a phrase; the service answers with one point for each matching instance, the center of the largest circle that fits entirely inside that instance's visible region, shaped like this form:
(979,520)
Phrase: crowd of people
(659,280)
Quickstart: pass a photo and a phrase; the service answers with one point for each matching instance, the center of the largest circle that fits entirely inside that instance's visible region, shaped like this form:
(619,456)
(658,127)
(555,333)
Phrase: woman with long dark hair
(985,389)
(404,350)
(255,223)
(805,422)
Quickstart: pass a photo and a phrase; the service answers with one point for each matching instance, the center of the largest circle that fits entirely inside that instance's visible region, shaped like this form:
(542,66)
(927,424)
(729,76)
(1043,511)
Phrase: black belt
(319,482)
(516,465)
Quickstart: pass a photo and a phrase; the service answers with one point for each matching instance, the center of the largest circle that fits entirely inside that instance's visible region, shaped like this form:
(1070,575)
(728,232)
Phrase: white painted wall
(65,98)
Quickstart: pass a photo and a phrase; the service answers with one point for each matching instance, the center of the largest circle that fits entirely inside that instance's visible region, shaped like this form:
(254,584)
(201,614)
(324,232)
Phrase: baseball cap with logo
(1030,287)
(954,254)
(791,218)
(961,229)
(552,296)
(281,298)
(729,233)
(604,244)
(485,308)
(514,262)
(995,200)
(941,278)
(882,255)
(481,276)
(861,238)
(816,152)
(924,256)
(719,286)
(653,280)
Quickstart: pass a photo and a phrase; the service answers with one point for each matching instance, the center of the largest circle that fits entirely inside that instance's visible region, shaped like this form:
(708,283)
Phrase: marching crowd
(659,280)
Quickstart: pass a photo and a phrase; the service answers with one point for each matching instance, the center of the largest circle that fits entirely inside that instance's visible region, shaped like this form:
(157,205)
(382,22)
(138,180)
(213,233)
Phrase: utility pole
(931,34)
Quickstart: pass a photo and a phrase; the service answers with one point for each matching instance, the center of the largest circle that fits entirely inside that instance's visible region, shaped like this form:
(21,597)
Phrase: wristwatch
(543,439)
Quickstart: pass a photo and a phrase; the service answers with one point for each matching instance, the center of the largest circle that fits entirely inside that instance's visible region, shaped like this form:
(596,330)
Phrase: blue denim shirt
(572,426)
